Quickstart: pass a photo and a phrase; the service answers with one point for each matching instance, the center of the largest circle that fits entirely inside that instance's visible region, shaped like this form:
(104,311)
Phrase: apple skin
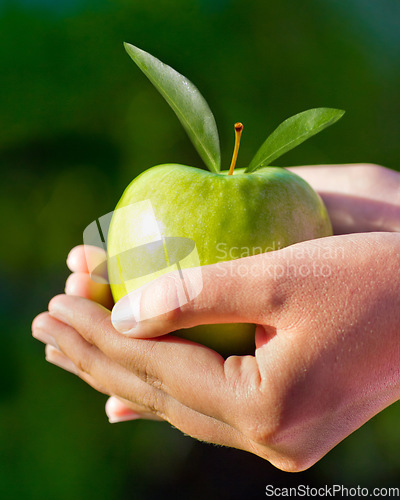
(227,216)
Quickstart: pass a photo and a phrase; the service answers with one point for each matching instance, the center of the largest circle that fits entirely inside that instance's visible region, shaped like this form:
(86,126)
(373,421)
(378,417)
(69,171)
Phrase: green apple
(227,216)
(176,217)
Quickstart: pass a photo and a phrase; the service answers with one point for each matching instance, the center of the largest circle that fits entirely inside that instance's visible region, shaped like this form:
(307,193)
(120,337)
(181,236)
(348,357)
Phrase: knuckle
(274,438)
(274,442)
(254,424)
(261,431)
(154,382)
(161,300)
(152,400)
(85,363)
(144,359)
(144,366)
(263,422)
(278,290)
(172,316)
(278,293)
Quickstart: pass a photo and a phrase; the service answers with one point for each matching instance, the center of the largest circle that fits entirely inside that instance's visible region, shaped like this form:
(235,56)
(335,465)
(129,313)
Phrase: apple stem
(238,133)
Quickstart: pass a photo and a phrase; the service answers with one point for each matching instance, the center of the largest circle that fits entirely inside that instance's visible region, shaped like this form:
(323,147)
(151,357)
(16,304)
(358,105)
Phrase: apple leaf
(187,102)
(293,132)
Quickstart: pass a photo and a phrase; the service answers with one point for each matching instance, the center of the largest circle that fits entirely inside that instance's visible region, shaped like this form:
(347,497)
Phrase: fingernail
(125,418)
(56,357)
(117,411)
(44,337)
(126,313)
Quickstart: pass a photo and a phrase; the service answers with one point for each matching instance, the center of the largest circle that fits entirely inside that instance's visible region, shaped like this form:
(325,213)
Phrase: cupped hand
(359,197)
(327,354)
(89,279)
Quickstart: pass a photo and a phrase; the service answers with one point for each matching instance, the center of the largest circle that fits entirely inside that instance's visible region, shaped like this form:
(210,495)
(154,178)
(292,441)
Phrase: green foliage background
(78,121)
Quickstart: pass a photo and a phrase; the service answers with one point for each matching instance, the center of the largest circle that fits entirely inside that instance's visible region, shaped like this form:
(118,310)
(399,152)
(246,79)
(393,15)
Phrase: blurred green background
(78,121)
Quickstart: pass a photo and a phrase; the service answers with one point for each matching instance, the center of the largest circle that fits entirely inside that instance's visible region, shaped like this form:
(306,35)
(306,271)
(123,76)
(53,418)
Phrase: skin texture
(327,352)
(223,216)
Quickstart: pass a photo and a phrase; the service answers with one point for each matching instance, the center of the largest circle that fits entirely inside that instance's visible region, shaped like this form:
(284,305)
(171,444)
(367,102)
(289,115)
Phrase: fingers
(53,333)
(121,410)
(141,396)
(117,411)
(81,284)
(193,365)
(86,358)
(88,259)
(91,365)
(57,358)
(89,275)
(211,294)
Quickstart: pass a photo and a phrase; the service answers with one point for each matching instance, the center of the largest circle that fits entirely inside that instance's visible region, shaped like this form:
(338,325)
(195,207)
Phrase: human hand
(327,353)
(359,197)
(82,261)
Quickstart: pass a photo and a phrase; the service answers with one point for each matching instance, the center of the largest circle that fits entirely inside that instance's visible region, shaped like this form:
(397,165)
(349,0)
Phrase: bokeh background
(78,121)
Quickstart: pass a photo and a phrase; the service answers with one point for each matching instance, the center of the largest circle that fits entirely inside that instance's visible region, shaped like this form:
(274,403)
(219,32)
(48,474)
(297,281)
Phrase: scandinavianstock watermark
(225,252)
(147,252)
(335,490)
(297,261)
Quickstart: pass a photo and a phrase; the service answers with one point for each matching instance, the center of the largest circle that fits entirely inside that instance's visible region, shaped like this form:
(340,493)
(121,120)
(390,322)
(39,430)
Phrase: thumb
(228,292)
